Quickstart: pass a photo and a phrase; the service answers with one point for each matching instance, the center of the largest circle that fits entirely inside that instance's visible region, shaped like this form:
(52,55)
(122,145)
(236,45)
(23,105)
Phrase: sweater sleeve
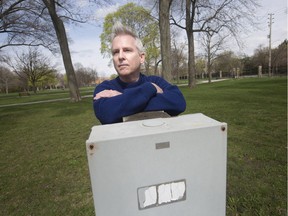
(171,100)
(131,101)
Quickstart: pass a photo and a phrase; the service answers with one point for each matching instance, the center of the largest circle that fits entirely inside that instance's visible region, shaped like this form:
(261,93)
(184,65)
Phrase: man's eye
(115,52)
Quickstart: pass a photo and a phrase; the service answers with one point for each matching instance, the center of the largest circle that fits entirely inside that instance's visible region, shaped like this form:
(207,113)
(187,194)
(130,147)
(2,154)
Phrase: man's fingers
(107,94)
(159,90)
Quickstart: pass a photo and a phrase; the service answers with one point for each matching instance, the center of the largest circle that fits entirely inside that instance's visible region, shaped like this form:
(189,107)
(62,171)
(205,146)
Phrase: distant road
(206,81)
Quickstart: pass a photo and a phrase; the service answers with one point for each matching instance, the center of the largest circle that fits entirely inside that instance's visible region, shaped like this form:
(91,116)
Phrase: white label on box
(160,194)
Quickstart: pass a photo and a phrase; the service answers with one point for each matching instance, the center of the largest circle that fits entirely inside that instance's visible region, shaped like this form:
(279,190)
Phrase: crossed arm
(111,105)
(111,93)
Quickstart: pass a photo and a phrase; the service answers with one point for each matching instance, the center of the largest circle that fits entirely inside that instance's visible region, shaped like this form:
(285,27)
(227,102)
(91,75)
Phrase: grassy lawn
(44,168)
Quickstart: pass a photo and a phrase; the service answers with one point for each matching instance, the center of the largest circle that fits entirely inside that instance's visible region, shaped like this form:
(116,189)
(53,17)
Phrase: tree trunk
(34,87)
(191,62)
(190,36)
(164,26)
(64,47)
(209,58)
(6,86)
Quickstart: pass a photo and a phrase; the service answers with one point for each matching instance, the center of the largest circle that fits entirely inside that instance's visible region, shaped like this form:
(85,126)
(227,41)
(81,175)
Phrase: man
(132,92)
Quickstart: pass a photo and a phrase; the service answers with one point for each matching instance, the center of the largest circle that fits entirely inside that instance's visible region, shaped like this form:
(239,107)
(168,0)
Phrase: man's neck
(129,79)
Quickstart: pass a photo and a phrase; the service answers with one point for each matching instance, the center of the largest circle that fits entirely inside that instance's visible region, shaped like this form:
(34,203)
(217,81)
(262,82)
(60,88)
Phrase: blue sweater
(137,97)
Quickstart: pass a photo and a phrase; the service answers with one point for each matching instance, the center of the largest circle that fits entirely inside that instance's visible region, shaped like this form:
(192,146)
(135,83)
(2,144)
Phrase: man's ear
(142,56)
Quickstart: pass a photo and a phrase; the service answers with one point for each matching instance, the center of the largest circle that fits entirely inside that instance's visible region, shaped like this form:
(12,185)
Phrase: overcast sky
(85,46)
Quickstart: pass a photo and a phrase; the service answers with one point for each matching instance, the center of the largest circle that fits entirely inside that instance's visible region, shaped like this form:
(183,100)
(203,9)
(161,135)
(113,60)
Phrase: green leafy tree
(113,76)
(48,81)
(7,79)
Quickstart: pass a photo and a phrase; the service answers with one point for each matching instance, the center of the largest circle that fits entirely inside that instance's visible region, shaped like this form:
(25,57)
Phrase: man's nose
(121,54)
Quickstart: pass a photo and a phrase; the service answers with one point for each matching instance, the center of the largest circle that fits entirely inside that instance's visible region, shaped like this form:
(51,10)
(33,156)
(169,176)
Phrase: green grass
(44,168)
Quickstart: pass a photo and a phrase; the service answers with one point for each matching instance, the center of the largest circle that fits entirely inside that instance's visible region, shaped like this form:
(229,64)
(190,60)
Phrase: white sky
(85,46)
(279,27)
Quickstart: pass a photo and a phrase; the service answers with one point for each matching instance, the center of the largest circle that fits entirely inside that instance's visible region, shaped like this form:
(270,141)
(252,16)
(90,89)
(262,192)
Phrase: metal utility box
(159,167)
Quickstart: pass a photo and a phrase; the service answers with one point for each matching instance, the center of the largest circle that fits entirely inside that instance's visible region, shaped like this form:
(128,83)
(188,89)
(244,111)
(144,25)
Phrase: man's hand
(107,94)
(159,90)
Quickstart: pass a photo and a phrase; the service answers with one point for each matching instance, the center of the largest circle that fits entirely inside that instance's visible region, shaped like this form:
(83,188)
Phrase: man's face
(126,58)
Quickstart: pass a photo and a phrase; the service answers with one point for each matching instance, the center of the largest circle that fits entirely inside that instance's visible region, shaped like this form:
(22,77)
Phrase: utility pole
(269,36)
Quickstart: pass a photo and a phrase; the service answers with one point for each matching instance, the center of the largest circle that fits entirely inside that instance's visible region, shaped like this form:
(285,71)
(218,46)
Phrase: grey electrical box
(159,167)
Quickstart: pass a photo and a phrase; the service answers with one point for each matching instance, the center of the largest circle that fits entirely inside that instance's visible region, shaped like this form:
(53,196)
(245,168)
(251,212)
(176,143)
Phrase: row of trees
(232,65)
(214,60)
(28,22)
(208,17)
(32,70)
(31,23)
(228,64)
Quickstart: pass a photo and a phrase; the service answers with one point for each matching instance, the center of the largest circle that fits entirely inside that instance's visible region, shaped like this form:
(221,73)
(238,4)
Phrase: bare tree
(202,16)
(213,42)
(6,78)
(260,57)
(279,60)
(64,47)
(85,75)
(201,67)
(24,23)
(29,22)
(228,63)
(178,60)
(61,81)
(31,66)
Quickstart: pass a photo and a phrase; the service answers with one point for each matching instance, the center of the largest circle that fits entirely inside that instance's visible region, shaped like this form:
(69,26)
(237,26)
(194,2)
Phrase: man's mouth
(123,65)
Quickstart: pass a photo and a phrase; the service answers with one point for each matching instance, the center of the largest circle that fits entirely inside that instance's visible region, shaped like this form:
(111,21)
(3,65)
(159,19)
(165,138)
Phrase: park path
(44,101)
